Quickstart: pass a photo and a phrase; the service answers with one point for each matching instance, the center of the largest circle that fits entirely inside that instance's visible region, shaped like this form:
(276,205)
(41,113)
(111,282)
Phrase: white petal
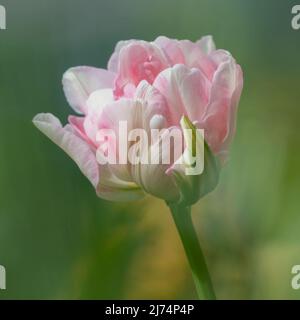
(95,104)
(113,188)
(206,44)
(152,177)
(80,82)
(74,146)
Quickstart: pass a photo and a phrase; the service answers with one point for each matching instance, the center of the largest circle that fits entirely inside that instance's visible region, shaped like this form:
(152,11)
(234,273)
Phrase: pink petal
(156,103)
(185,90)
(195,57)
(219,122)
(171,49)
(77,124)
(185,51)
(138,61)
(113,63)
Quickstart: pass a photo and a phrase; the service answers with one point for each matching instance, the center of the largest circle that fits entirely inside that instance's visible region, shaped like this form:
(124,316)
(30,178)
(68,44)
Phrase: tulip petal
(74,146)
(206,44)
(119,193)
(95,104)
(171,49)
(113,63)
(80,82)
(108,187)
(235,99)
(219,121)
(185,90)
(137,114)
(77,123)
(152,177)
(194,186)
(138,61)
(155,101)
(112,188)
(185,51)
(129,112)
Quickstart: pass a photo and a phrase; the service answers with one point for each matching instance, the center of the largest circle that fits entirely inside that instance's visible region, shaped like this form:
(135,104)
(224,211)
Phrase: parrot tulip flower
(171,86)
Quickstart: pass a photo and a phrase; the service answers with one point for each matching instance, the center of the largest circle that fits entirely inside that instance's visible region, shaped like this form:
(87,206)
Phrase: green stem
(183,220)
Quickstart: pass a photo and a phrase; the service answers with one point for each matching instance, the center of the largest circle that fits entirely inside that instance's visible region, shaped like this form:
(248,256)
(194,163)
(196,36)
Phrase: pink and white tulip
(161,84)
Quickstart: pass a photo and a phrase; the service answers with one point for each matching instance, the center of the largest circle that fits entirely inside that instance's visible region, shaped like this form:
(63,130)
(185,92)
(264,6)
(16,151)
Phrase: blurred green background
(58,240)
